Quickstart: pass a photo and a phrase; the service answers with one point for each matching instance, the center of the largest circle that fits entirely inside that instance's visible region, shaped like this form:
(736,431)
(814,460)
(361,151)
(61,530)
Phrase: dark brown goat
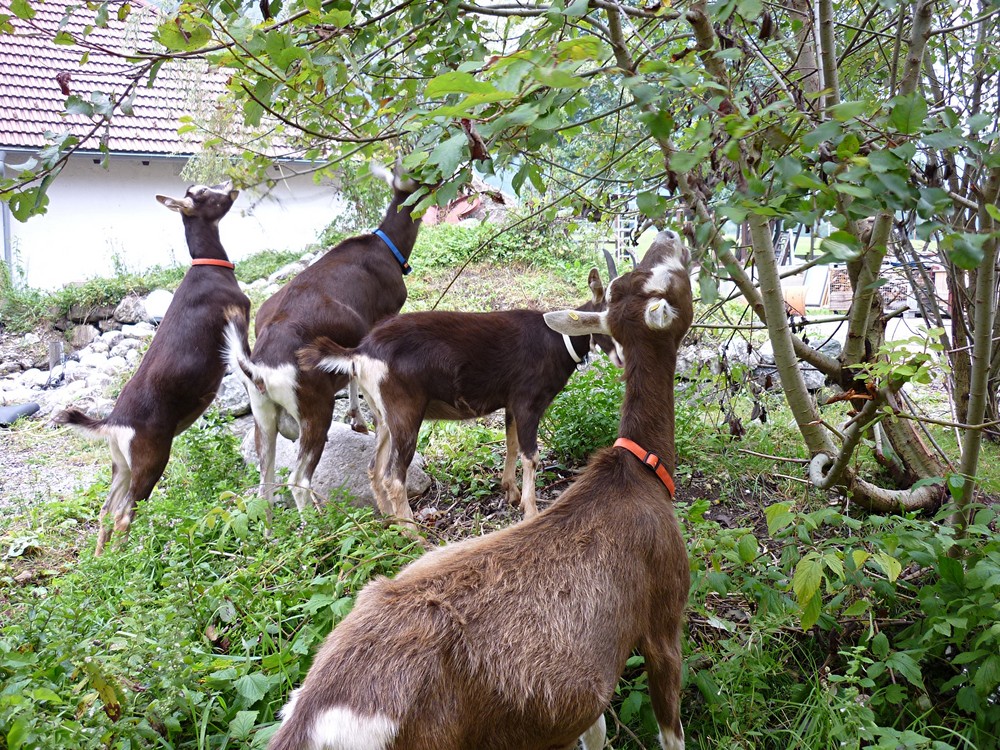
(340,296)
(181,372)
(457,365)
(515,640)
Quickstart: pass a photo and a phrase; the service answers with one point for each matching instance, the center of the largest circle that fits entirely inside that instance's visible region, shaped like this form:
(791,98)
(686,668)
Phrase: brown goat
(183,368)
(340,296)
(515,640)
(458,365)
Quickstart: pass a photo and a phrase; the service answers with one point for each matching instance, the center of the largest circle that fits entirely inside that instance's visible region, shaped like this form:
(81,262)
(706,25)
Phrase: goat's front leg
(527,436)
(378,467)
(508,480)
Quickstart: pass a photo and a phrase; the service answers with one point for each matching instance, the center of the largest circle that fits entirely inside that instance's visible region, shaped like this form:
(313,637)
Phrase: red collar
(650,459)
(213,262)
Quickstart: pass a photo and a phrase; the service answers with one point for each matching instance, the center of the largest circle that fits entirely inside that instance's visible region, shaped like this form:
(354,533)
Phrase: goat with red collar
(516,639)
(183,367)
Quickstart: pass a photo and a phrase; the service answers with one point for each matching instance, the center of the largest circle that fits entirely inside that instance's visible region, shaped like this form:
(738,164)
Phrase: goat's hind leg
(354,415)
(121,478)
(148,458)
(663,668)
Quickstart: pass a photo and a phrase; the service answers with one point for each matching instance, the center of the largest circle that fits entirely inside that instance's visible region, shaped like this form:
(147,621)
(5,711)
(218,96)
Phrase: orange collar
(650,459)
(213,262)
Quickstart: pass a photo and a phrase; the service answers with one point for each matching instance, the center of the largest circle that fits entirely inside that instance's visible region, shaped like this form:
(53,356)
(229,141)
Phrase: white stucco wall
(99,220)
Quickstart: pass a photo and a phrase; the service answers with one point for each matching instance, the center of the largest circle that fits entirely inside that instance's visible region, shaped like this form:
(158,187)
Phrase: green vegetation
(810,624)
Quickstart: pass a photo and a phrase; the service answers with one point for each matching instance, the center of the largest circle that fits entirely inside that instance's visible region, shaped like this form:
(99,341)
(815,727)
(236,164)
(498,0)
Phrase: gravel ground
(39,463)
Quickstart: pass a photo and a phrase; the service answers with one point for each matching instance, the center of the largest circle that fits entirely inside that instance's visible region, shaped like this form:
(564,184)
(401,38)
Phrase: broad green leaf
(889,565)
(449,154)
(22,9)
(880,646)
(778,517)
(943,139)
(576,9)
(907,666)
(253,687)
(747,548)
(651,204)
(858,608)
(683,161)
(860,557)
(242,724)
(708,288)
(75,105)
(908,113)
(455,82)
(807,578)
(630,706)
(580,48)
(560,79)
(993,211)
(811,611)
(847,110)
(17,733)
(825,132)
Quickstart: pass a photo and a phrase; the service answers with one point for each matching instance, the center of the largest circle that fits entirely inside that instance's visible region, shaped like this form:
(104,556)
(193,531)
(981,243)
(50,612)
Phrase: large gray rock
(131,310)
(344,464)
(82,336)
(232,398)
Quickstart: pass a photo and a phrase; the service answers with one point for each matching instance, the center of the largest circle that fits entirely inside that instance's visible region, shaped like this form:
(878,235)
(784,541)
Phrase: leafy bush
(585,416)
(466,458)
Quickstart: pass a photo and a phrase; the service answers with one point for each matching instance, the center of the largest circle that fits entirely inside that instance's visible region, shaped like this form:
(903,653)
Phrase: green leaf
(708,288)
(449,154)
(993,211)
(454,82)
(650,204)
(747,548)
(580,48)
(630,706)
(880,646)
(17,733)
(778,517)
(807,578)
(242,724)
(576,9)
(889,565)
(825,132)
(77,106)
(683,161)
(858,608)
(908,113)
(811,611)
(907,666)
(22,9)
(847,110)
(253,687)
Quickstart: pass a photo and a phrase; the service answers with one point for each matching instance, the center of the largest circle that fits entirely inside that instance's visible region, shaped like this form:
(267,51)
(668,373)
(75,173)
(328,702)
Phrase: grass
(808,626)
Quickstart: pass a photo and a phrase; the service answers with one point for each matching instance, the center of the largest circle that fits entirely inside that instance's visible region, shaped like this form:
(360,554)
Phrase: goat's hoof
(362,428)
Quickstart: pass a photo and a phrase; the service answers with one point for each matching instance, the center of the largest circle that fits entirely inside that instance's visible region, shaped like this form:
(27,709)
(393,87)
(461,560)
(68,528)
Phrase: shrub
(585,415)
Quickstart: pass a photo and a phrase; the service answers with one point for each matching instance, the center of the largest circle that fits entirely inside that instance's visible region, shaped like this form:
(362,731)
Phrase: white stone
(157,303)
(286,272)
(132,356)
(98,347)
(33,378)
(30,338)
(138,331)
(112,338)
(344,464)
(116,364)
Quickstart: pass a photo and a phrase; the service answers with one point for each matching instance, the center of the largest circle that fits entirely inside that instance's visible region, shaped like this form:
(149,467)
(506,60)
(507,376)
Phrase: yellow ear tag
(574,316)
(655,307)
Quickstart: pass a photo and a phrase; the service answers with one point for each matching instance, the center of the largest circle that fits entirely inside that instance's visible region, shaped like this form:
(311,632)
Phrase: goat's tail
(237,352)
(93,428)
(326,354)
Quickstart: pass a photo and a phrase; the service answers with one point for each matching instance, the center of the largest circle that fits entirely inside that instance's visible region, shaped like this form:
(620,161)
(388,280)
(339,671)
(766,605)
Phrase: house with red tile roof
(102,214)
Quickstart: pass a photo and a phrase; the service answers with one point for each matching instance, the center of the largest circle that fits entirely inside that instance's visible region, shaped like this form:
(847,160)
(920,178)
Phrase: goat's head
(396,178)
(207,203)
(648,307)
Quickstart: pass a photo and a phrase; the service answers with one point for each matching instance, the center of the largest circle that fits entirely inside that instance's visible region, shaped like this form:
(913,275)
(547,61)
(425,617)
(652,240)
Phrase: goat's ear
(660,314)
(181,205)
(596,286)
(233,195)
(577,322)
(380,171)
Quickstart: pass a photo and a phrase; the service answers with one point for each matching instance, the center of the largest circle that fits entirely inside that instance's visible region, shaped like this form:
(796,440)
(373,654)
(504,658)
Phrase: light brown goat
(183,368)
(516,640)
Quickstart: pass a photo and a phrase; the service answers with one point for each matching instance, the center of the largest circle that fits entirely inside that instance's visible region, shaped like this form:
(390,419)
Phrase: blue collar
(395,251)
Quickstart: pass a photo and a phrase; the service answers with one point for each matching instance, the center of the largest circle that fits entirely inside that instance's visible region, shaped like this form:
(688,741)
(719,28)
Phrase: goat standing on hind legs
(183,368)
(458,365)
(340,296)
(515,640)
